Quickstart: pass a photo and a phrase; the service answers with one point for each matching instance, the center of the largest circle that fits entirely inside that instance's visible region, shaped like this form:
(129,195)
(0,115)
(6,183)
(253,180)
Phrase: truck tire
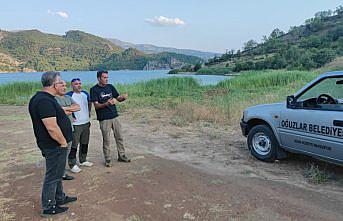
(262,143)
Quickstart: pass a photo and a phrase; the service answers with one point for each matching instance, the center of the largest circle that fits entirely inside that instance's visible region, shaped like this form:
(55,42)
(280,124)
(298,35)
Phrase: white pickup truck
(310,122)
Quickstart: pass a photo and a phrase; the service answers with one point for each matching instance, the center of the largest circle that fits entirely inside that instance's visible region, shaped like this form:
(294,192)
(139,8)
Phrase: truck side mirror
(291,101)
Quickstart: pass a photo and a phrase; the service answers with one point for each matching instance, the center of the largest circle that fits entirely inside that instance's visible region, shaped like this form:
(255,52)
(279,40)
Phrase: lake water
(122,77)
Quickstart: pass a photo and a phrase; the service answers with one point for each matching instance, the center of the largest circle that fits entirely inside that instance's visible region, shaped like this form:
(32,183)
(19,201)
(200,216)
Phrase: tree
(292,28)
(339,10)
(310,42)
(250,45)
(264,38)
(323,56)
(323,14)
(293,54)
(231,52)
(335,33)
(276,33)
(306,62)
(197,67)
(295,31)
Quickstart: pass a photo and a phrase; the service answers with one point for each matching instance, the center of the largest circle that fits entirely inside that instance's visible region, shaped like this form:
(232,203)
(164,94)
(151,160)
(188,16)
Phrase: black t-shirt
(43,105)
(101,95)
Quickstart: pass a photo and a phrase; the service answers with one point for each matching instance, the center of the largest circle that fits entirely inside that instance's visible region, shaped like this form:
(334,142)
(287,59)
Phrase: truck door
(315,125)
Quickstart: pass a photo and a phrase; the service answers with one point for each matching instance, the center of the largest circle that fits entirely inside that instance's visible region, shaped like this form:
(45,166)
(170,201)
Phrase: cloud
(164,21)
(59,13)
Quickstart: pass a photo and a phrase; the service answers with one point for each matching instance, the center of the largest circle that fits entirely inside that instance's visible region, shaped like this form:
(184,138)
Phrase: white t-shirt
(82,116)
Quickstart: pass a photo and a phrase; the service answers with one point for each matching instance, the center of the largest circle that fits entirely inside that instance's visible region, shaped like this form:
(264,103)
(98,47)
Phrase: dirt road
(197,171)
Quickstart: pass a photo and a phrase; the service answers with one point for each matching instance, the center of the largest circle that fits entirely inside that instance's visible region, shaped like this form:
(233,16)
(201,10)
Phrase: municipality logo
(103,95)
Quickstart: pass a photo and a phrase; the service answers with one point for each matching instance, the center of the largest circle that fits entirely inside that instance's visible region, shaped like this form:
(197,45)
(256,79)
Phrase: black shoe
(108,163)
(68,199)
(55,210)
(67,177)
(124,159)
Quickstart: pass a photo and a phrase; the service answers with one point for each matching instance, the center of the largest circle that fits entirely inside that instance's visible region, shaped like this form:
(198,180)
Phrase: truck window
(326,95)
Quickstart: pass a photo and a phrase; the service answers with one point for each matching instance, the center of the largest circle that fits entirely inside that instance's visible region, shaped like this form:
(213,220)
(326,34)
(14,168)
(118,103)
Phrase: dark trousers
(82,155)
(80,136)
(55,159)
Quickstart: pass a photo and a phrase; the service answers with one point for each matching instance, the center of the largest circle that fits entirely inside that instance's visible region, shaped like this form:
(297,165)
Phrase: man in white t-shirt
(81,126)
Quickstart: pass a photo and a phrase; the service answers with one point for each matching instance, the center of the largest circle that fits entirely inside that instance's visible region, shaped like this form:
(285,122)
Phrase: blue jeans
(55,159)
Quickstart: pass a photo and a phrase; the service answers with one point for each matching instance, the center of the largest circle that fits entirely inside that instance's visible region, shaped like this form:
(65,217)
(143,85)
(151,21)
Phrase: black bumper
(244,128)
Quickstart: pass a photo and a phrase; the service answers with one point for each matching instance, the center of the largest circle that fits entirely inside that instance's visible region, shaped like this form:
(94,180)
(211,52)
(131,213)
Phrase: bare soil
(197,171)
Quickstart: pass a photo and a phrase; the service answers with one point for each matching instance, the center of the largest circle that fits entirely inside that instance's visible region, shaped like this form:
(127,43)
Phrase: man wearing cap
(104,97)
(81,125)
(52,130)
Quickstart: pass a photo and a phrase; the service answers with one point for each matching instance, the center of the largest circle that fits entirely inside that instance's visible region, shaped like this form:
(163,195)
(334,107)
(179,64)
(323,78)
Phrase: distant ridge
(152,49)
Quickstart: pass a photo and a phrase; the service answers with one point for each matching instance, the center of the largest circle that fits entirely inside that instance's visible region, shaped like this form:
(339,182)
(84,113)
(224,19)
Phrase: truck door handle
(338,123)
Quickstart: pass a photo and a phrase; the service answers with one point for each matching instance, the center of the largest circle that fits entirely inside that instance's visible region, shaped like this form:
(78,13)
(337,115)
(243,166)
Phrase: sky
(207,25)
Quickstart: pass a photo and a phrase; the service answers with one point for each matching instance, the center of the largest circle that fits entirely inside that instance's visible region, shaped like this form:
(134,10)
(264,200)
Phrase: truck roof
(331,74)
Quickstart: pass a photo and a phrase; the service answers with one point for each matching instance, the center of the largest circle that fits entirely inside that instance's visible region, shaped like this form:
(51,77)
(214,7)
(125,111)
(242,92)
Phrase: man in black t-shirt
(104,97)
(53,131)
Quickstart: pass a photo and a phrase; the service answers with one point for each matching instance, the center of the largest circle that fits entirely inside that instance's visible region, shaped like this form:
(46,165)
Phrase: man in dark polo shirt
(52,130)
(104,97)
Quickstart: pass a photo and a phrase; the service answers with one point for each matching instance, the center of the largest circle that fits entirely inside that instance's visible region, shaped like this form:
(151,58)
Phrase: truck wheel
(262,143)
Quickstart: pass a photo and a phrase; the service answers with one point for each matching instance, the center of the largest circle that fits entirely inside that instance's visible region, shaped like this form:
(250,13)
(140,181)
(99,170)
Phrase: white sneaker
(75,169)
(86,164)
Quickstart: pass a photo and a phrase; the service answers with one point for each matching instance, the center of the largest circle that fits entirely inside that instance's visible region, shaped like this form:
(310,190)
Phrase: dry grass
(334,65)
(134,218)
(316,174)
(191,112)
(5,215)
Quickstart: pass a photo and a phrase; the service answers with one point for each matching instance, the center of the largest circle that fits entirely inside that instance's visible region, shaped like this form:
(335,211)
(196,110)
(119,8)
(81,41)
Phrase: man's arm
(89,108)
(72,108)
(109,102)
(89,102)
(55,131)
(98,106)
(119,97)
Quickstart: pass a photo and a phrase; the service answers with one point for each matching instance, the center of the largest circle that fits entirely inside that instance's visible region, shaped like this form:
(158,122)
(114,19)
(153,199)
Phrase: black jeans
(81,135)
(52,190)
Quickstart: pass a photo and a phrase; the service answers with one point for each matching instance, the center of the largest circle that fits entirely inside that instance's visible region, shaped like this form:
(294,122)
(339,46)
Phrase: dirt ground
(197,171)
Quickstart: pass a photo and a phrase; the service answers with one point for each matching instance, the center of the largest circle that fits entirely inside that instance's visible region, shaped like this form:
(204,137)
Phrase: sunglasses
(75,79)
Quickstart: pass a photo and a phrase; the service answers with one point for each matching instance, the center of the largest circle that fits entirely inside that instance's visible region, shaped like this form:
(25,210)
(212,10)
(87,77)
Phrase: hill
(32,50)
(310,46)
(153,49)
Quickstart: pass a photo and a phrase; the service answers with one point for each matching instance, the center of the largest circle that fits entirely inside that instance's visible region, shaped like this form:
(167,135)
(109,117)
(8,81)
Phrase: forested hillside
(33,50)
(309,46)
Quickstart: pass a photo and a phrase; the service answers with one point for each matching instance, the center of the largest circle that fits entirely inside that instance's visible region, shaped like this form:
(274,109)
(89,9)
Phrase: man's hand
(125,96)
(64,145)
(109,102)
(71,109)
(112,101)
(122,97)
(68,112)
